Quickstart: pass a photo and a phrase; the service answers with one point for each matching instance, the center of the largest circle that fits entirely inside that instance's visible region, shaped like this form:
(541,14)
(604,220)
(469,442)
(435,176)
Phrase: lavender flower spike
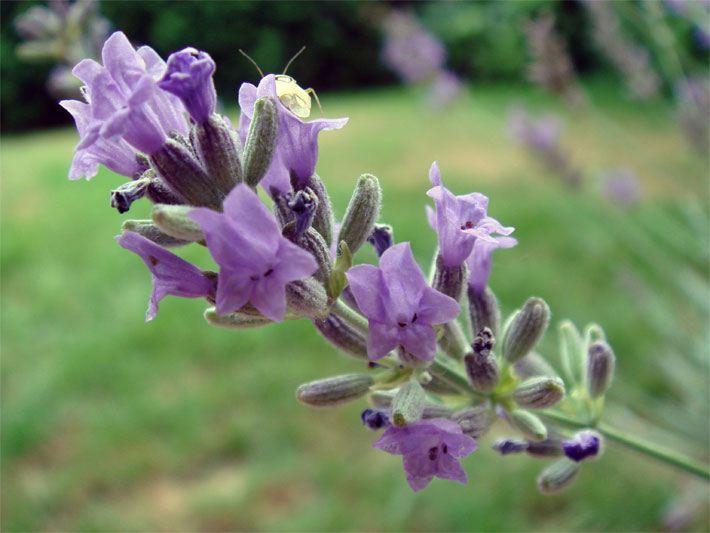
(296,150)
(399,305)
(189,77)
(429,448)
(256,261)
(460,221)
(171,274)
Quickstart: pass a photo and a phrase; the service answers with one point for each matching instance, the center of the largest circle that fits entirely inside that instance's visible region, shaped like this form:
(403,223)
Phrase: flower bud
(550,447)
(452,340)
(362,212)
(508,446)
(260,142)
(474,421)
(525,329)
(181,170)
(539,392)
(303,204)
(374,419)
(572,356)
(150,231)
(557,476)
(235,320)
(159,192)
(601,362)
(483,310)
(343,335)
(449,280)
(216,145)
(533,365)
(323,219)
(528,424)
(335,390)
(583,445)
(481,365)
(312,241)
(436,410)
(408,404)
(381,238)
(381,399)
(307,297)
(126,194)
(173,220)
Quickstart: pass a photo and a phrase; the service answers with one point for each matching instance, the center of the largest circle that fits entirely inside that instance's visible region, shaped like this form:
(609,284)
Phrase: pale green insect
(292,96)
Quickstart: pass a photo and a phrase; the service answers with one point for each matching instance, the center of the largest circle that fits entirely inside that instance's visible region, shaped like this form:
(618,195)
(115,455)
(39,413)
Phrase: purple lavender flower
(429,448)
(189,77)
(171,274)
(124,101)
(399,305)
(481,260)
(622,186)
(409,49)
(461,221)
(583,445)
(296,150)
(541,134)
(256,261)
(117,155)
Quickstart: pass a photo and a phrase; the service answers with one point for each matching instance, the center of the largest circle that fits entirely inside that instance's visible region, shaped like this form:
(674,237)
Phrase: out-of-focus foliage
(485,41)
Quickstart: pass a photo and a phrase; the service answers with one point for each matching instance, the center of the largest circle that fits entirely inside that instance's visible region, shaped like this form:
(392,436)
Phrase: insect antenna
(294,57)
(252,62)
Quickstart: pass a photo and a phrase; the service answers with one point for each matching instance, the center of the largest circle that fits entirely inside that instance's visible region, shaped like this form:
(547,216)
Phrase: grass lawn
(109,423)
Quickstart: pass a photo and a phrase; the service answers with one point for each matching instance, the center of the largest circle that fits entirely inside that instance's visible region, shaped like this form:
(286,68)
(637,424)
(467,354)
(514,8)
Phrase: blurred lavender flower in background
(65,33)
(551,65)
(632,60)
(542,137)
(693,111)
(621,186)
(409,49)
(443,90)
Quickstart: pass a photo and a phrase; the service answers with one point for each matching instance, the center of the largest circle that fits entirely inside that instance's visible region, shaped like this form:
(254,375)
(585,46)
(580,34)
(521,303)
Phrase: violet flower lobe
(400,307)
(429,448)
(189,77)
(461,222)
(583,445)
(256,261)
(171,274)
(296,150)
(124,101)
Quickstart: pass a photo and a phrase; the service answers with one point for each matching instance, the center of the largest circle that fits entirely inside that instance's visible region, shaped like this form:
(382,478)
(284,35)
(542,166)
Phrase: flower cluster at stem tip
(438,365)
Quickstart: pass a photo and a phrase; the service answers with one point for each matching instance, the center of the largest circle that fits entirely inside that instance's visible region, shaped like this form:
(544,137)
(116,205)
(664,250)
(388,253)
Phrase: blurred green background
(109,423)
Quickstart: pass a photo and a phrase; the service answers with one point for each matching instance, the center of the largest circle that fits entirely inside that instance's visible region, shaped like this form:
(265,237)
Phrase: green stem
(670,457)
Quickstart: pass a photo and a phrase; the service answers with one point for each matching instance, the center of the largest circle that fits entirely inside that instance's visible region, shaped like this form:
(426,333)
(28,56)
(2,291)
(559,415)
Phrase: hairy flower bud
(481,365)
(525,329)
(550,447)
(474,421)
(307,297)
(528,424)
(600,368)
(374,419)
(381,238)
(343,335)
(216,145)
(483,310)
(539,392)
(452,339)
(449,280)
(323,219)
(533,365)
(362,212)
(123,197)
(313,242)
(173,220)
(261,141)
(150,231)
(509,446)
(572,356)
(333,391)
(235,320)
(408,404)
(557,476)
(181,170)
